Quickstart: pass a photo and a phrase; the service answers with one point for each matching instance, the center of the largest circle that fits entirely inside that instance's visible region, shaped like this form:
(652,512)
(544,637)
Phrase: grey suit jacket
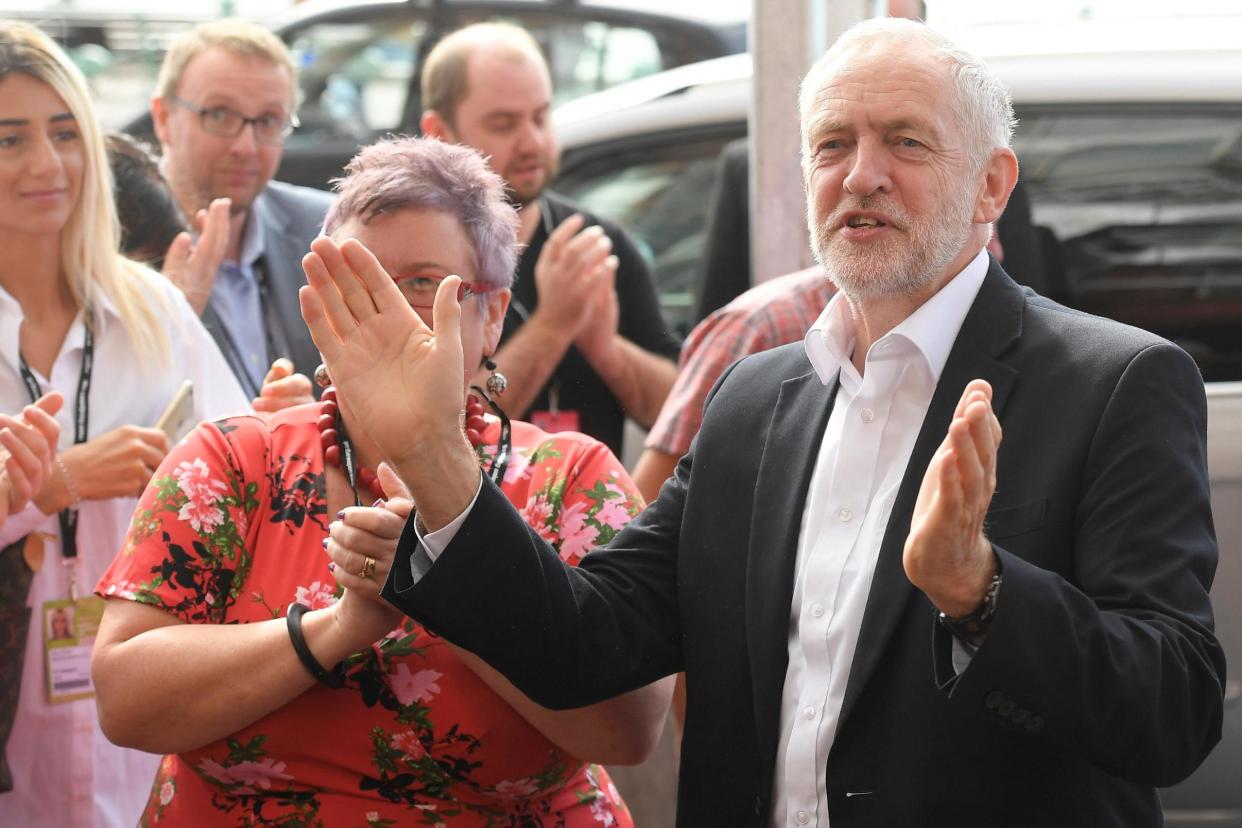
(291,217)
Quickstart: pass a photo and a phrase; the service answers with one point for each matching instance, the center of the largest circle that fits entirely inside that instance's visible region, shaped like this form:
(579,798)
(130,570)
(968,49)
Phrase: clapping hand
(569,274)
(191,265)
(403,382)
(368,534)
(946,553)
(282,388)
(27,449)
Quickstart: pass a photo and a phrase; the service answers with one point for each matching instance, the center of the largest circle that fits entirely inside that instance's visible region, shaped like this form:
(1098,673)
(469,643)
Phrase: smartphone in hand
(178,417)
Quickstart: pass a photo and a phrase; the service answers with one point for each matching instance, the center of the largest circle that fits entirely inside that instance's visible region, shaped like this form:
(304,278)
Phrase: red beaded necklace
(338,449)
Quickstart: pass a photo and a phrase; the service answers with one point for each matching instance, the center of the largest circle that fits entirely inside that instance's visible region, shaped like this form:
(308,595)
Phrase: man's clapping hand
(192,265)
(946,553)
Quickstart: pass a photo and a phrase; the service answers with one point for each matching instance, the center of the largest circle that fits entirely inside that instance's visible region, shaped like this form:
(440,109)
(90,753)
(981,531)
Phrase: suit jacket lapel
(993,323)
(785,469)
(282,261)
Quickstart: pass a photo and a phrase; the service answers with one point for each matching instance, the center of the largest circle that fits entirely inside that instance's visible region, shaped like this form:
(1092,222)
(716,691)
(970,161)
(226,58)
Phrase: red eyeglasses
(420,291)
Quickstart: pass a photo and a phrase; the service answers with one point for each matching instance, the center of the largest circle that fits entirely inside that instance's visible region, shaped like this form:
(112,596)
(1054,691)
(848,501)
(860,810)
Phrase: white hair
(981,103)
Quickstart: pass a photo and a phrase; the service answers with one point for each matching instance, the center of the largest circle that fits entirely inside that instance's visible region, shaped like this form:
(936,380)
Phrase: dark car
(360,62)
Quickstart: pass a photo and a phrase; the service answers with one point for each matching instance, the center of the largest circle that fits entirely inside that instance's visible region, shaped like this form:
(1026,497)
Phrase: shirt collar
(103,308)
(931,329)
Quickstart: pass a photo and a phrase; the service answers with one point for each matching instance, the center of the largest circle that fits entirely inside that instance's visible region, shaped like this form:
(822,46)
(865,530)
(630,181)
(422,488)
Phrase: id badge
(69,629)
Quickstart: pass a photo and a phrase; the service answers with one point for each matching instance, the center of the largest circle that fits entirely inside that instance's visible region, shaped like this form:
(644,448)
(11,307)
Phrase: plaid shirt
(774,313)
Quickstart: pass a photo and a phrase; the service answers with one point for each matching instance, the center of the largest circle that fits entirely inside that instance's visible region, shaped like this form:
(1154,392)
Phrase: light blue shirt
(237,300)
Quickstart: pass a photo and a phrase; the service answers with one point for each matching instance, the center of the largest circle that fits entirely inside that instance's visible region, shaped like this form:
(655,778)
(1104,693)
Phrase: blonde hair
(90,241)
(444,72)
(233,35)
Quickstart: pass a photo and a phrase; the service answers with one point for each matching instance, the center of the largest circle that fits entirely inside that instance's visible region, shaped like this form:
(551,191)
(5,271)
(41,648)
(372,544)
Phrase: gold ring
(368,567)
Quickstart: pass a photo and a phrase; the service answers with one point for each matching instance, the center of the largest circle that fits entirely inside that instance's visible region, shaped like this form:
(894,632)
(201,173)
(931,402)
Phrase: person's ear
(159,119)
(434,125)
(997,181)
(495,308)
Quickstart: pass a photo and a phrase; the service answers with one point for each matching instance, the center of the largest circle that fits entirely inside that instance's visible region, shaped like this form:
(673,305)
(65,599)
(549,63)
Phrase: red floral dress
(230,530)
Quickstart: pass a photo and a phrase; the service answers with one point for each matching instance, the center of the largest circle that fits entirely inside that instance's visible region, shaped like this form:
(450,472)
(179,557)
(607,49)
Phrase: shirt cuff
(961,657)
(433,544)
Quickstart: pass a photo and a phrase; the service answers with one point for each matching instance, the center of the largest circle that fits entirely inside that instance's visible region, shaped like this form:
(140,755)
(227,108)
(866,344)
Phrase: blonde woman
(117,341)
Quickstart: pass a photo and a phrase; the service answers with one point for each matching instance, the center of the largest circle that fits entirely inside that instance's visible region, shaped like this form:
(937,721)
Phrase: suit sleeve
(1118,662)
(565,636)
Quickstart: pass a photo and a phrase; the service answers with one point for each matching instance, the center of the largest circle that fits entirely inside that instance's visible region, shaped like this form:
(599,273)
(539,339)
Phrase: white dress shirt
(65,772)
(862,458)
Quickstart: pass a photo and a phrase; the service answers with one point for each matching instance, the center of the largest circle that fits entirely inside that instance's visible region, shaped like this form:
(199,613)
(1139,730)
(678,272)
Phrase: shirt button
(867,415)
(817,610)
(845,515)
(808,712)
(803,817)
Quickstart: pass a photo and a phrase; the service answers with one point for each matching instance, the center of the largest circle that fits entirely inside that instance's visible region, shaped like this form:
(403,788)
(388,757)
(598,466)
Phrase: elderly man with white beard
(886,615)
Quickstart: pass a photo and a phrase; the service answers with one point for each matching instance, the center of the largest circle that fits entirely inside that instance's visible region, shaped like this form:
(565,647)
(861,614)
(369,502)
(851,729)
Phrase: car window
(658,193)
(1140,214)
(355,77)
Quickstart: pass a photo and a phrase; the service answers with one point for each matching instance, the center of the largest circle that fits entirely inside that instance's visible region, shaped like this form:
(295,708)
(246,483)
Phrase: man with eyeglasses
(223,106)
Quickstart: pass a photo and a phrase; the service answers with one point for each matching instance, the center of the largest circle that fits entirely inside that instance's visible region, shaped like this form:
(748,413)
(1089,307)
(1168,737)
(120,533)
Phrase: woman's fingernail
(331,566)
(325,542)
(379,501)
(340,515)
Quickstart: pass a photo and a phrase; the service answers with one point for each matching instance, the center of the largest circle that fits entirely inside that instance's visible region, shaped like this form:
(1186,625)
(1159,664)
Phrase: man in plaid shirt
(773,313)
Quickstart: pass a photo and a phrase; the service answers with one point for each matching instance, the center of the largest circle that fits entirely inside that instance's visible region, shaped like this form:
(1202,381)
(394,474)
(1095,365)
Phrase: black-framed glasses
(223,122)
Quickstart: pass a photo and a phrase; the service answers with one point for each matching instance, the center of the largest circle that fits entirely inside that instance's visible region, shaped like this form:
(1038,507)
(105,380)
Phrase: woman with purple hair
(282,688)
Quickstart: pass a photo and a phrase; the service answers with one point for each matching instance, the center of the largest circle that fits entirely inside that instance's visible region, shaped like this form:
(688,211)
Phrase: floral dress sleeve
(579,494)
(186,551)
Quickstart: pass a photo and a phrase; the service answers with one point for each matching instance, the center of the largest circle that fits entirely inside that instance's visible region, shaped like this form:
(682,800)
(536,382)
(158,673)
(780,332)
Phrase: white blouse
(65,772)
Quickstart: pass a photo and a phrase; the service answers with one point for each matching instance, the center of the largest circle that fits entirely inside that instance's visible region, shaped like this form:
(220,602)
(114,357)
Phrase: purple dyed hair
(404,172)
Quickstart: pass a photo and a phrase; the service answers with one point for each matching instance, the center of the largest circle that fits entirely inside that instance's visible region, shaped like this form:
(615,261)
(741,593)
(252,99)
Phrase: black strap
(81,420)
(504,446)
(293,618)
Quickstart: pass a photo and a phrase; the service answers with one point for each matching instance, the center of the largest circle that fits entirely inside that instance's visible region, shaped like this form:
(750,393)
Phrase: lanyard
(81,417)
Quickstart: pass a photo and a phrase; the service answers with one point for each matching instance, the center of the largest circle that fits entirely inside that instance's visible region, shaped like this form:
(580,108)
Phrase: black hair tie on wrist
(293,617)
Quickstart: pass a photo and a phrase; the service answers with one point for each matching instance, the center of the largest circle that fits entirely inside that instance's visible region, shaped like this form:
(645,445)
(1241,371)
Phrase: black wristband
(293,617)
(972,629)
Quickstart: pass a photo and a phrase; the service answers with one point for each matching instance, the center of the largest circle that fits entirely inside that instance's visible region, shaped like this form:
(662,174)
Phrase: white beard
(906,261)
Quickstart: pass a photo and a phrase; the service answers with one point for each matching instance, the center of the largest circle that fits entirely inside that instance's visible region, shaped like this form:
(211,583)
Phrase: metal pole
(786,38)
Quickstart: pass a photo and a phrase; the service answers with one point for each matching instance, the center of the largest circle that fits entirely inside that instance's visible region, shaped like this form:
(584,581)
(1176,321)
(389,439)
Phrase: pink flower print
(316,596)
(166,793)
(613,513)
(202,514)
(259,774)
(519,468)
(123,589)
(409,744)
(537,514)
(250,774)
(216,771)
(194,479)
(408,688)
(515,790)
(576,536)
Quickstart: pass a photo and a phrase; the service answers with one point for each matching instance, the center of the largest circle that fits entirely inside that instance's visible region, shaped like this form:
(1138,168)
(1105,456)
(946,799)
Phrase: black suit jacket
(292,217)
(1100,677)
